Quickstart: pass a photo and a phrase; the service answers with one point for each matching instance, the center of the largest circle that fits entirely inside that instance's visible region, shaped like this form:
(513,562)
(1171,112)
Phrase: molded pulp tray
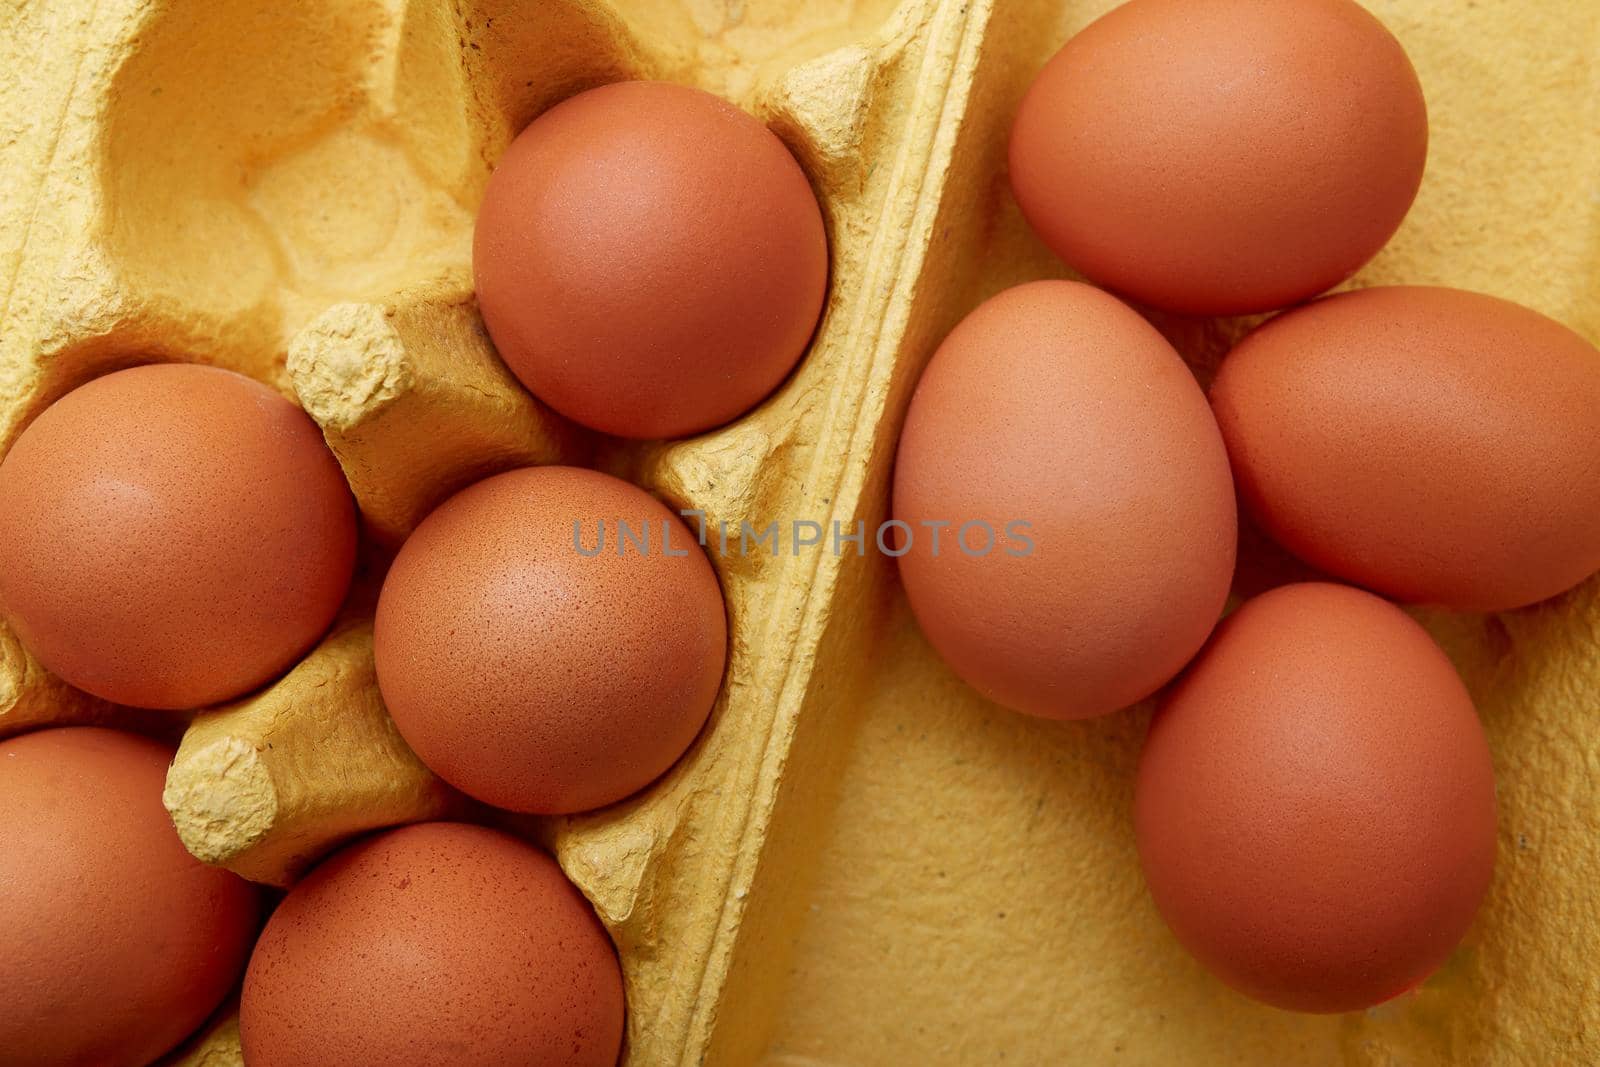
(859,862)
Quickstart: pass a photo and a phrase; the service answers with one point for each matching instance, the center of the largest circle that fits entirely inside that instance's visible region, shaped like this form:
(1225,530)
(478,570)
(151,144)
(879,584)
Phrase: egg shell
(435,945)
(172,536)
(1054,404)
(1434,445)
(1222,156)
(115,943)
(649,259)
(1315,804)
(536,677)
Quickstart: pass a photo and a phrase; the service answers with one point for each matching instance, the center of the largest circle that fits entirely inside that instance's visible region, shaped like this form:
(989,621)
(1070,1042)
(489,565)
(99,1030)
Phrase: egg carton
(287,190)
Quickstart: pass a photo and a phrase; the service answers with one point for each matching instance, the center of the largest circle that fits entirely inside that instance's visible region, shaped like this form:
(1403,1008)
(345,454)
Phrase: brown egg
(172,536)
(650,260)
(1315,804)
(115,943)
(437,945)
(1061,419)
(540,657)
(1433,445)
(1222,156)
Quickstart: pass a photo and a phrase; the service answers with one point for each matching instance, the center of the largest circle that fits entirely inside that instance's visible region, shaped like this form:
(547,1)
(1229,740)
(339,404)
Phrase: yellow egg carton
(859,861)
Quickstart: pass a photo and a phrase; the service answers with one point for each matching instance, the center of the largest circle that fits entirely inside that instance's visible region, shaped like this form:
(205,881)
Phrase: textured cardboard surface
(287,190)
(858,862)
(977,898)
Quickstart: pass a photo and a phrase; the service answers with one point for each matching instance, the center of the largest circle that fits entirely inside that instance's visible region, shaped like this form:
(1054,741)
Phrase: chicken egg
(1215,157)
(550,639)
(1315,806)
(1071,519)
(115,943)
(172,536)
(650,260)
(436,945)
(1433,445)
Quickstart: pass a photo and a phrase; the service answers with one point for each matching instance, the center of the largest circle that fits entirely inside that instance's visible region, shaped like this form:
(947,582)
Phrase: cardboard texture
(859,862)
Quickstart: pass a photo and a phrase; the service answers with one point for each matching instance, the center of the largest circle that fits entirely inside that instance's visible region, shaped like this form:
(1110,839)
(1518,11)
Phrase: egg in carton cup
(288,191)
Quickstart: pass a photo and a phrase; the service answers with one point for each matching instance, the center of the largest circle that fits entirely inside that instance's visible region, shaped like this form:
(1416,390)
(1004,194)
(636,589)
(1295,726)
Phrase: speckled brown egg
(172,536)
(115,943)
(1434,445)
(1222,156)
(550,639)
(437,945)
(1315,803)
(650,260)
(1066,494)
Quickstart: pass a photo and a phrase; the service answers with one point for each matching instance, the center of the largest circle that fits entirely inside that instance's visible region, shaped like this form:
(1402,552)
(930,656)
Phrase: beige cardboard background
(977,899)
